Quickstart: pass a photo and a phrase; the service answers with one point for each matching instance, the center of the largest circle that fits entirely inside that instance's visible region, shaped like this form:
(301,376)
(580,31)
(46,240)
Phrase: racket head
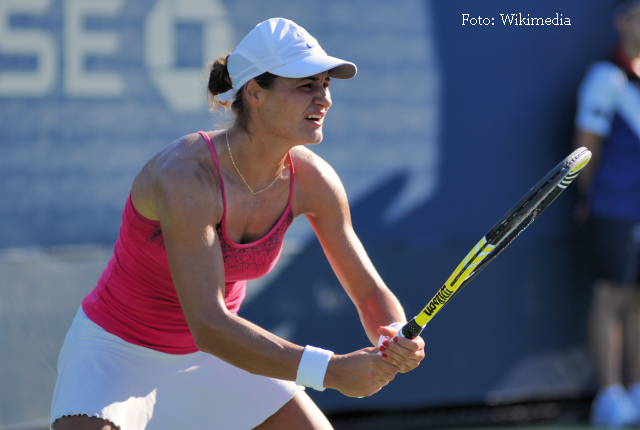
(540,196)
(530,206)
(514,222)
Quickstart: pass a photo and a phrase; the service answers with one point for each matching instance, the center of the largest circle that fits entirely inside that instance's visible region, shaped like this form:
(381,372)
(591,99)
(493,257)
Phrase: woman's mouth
(316,118)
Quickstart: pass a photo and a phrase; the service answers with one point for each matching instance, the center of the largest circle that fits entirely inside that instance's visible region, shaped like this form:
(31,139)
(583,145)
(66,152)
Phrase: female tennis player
(158,343)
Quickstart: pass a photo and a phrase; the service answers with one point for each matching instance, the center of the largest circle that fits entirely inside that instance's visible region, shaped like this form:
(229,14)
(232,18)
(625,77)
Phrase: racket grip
(412,329)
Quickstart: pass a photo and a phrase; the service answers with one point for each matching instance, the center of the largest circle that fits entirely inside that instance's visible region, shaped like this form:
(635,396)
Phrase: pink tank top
(135,298)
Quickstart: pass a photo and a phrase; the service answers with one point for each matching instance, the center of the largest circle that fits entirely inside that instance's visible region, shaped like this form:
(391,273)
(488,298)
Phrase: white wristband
(313,366)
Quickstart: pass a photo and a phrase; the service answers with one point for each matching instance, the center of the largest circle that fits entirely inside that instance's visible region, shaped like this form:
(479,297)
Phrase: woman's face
(294,108)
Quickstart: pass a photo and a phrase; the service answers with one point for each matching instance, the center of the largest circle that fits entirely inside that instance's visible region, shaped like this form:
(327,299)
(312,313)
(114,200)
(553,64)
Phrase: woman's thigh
(299,413)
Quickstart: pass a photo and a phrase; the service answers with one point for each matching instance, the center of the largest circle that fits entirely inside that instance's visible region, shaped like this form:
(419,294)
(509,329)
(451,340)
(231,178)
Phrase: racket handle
(410,330)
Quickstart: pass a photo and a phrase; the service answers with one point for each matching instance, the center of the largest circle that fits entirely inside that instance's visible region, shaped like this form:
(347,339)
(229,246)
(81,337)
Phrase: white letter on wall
(79,43)
(178,86)
(27,42)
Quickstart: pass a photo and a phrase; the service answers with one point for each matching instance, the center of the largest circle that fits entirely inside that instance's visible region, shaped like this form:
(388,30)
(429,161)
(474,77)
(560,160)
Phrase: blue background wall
(444,128)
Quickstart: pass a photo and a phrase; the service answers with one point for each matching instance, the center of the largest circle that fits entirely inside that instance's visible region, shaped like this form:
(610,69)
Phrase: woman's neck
(256,160)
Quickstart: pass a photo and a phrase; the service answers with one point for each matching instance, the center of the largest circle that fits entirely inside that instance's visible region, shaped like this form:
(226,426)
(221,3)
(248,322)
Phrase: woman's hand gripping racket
(500,236)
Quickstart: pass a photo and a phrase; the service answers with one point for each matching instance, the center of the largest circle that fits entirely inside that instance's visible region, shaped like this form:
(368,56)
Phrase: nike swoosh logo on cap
(310,45)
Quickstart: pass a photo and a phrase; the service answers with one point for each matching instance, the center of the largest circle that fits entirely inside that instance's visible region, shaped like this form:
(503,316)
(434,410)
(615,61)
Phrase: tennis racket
(500,236)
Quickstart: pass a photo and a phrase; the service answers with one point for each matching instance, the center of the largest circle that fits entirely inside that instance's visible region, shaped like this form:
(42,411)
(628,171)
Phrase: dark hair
(220,82)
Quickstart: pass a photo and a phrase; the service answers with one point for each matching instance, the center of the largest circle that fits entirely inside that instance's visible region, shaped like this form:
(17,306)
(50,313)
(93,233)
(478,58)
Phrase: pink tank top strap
(214,156)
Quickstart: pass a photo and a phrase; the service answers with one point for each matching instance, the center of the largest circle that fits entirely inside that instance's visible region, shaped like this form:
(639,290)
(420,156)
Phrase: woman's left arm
(323,200)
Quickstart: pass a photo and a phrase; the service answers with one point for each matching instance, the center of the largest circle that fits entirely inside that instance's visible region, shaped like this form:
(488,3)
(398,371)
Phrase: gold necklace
(226,135)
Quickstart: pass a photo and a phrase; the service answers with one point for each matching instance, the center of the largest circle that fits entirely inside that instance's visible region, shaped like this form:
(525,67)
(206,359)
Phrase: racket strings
(526,219)
(530,215)
(494,237)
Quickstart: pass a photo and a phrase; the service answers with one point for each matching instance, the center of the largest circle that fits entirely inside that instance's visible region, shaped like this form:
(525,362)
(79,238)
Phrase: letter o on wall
(179,86)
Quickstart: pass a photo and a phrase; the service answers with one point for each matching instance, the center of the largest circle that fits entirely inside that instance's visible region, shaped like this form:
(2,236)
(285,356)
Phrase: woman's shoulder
(185,164)
(181,159)
(317,186)
(310,167)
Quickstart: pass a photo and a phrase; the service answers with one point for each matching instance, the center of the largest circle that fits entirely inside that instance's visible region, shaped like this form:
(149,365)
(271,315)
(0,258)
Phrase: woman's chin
(307,138)
(317,137)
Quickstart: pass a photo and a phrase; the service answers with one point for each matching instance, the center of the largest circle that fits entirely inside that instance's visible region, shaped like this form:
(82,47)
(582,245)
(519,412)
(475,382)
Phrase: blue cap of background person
(283,48)
(623,7)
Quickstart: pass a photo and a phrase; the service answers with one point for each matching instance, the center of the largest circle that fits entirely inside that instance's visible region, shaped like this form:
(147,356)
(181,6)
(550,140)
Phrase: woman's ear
(253,93)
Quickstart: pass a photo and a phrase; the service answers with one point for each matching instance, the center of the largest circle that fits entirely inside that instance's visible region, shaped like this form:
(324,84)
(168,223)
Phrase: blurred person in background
(158,343)
(608,124)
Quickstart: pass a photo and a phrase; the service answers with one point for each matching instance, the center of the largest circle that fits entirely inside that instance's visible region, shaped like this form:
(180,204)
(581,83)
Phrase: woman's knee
(299,413)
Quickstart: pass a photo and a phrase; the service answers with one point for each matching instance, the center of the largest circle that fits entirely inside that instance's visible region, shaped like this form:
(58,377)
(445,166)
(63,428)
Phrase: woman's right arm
(185,201)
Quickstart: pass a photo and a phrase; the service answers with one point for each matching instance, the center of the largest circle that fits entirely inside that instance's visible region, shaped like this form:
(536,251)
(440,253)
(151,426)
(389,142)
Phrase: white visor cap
(283,48)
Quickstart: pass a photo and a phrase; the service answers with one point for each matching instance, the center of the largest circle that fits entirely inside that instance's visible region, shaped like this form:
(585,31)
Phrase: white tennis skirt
(135,388)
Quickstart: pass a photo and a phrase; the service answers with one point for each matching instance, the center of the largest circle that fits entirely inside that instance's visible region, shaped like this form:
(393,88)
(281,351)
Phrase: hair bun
(219,80)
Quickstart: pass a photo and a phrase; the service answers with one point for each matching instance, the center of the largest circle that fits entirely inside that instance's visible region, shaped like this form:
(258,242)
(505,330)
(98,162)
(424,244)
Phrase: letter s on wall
(27,42)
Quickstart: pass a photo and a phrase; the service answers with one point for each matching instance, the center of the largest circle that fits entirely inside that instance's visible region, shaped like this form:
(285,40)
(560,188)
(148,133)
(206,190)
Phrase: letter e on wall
(80,43)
